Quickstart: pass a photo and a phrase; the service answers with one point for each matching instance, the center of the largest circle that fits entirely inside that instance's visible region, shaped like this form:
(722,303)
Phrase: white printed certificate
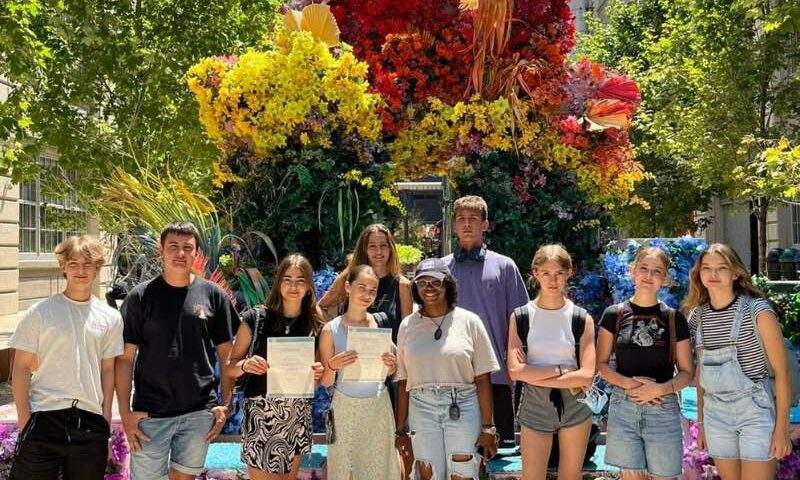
(290,360)
(369,344)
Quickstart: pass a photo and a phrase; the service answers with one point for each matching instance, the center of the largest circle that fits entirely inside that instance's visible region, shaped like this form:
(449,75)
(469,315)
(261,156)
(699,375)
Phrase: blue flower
(323,279)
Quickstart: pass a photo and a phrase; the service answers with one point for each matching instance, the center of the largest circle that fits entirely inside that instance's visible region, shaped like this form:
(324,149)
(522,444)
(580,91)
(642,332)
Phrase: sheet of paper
(290,360)
(370,344)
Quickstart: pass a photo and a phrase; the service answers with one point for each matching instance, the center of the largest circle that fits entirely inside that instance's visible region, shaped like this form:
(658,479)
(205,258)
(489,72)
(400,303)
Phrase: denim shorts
(740,428)
(435,438)
(645,438)
(175,442)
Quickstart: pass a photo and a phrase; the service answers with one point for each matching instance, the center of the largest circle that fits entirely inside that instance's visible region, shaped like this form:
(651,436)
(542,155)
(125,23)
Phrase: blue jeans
(645,437)
(175,442)
(436,438)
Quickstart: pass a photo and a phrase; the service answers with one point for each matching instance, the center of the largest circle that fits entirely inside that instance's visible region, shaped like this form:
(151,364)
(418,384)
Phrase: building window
(46,219)
(796,223)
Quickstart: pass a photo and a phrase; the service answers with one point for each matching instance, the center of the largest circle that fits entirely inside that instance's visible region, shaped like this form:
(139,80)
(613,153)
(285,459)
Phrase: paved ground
(5,393)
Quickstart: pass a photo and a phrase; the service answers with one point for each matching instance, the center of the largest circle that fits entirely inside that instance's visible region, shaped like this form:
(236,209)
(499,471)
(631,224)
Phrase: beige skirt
(364,445)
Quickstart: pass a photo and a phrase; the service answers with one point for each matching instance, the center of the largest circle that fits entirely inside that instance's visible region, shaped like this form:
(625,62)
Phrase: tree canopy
(713,73)
(102,81)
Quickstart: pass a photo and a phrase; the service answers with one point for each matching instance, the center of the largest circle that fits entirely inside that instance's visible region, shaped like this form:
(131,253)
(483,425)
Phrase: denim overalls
(738,413)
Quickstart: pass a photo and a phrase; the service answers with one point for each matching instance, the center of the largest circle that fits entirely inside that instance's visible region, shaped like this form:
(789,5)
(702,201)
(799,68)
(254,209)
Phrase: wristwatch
(489,428)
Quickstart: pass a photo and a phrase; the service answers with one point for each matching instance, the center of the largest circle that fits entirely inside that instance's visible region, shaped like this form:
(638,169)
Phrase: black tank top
(388,302)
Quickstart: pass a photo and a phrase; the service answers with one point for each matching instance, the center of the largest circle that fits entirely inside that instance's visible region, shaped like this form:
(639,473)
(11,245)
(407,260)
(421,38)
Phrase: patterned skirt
(364,445)
(274,432)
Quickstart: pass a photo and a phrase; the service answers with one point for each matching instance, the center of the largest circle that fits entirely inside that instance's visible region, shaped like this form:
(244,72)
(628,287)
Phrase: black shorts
(71,441)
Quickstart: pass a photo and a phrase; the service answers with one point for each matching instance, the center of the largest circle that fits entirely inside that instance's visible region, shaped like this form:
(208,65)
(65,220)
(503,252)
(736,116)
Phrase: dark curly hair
(450,292)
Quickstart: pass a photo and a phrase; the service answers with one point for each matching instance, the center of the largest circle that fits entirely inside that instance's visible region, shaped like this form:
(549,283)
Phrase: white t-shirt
(550,338)
(69,339)
(463,352)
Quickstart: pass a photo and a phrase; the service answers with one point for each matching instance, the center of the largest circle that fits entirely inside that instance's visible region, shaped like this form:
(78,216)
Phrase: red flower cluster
(599,106)
(422,48)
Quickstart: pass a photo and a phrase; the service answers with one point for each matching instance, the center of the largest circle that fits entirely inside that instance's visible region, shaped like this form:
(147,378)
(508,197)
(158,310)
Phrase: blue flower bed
(682,252)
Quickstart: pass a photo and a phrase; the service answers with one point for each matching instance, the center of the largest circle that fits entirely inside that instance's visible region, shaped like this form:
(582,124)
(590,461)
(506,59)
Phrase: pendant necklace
(438,333)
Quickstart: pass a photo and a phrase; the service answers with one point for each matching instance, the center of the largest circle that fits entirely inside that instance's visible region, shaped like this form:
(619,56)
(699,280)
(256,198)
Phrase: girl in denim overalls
(743,425)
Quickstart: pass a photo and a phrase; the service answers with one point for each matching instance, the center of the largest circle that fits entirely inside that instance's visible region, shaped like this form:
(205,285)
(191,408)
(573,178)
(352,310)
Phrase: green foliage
(712,73)
(788,303)
(549,209)
(773,173)
(137,208)
(408,254)
(296,198)
(103,82)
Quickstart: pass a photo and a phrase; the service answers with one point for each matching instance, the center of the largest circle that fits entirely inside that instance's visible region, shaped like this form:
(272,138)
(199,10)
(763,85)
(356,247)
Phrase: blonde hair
(86,245)
(552,253)
(698,293)
(359,256)
(645,252)
(474,203)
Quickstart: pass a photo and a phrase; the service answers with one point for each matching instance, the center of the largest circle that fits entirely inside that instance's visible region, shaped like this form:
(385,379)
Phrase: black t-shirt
(173,328)
(269,325)
(642,347)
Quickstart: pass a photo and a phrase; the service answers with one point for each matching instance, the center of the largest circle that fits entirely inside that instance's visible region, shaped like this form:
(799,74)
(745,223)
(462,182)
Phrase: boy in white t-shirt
(63,373)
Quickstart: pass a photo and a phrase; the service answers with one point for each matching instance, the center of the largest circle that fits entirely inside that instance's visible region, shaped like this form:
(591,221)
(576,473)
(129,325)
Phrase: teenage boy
(171,322)
(63,373)
(490,285)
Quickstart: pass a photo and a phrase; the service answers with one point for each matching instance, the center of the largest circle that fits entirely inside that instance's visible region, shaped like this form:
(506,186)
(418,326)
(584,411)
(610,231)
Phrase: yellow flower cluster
(222,174)
(390,197)
(298,91)
(434,144)
(607,183)
(357,176)
(428,145)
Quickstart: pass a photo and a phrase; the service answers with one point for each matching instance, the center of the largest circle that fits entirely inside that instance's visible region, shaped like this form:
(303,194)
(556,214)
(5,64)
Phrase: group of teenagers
(465,333)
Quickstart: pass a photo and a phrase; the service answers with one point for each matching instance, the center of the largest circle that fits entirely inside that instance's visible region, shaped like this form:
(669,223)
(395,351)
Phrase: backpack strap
(579,316)
(670,313)
(751,304)
(381,319)
(620,310)
(522,315)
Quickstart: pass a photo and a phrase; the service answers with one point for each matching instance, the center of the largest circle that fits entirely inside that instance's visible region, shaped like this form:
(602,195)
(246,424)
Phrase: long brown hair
(698,293)
(308,308)
(360,251)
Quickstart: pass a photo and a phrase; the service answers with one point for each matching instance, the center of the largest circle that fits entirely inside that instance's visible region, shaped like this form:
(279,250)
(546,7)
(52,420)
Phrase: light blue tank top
(348,388)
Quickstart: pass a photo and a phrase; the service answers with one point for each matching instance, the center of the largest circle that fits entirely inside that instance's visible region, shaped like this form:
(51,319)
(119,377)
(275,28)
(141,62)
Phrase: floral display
(682,252)
(252,103)
(449,82)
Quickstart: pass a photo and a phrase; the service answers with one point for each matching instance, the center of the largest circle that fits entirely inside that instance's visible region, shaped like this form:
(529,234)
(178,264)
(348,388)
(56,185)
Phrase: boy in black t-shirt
(171,322)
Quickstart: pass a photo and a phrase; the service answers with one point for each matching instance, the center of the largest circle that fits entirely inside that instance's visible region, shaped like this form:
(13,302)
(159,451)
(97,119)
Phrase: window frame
(40,225)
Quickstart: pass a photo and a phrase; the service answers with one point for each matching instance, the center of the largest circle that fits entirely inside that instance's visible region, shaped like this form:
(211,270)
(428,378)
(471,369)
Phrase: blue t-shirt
(491,289)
